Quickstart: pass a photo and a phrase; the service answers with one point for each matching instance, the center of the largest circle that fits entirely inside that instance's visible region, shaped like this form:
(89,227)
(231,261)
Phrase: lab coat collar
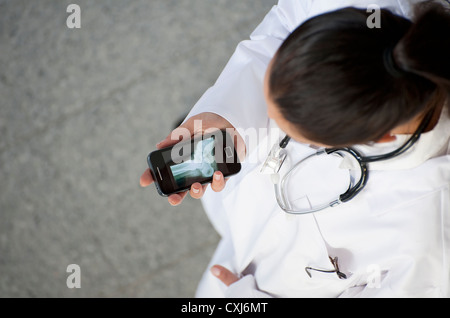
(431,144)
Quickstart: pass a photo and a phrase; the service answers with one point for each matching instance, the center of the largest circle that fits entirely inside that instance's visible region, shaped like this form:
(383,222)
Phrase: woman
(328,79)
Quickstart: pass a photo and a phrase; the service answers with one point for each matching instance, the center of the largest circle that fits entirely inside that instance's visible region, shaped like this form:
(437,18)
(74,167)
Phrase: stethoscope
(278,155)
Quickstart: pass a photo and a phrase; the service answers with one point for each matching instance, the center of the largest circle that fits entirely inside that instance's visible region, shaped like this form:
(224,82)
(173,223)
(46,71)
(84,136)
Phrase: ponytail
(425,48)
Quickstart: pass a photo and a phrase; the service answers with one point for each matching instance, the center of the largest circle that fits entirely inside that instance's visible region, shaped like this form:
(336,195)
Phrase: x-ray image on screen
(201,165)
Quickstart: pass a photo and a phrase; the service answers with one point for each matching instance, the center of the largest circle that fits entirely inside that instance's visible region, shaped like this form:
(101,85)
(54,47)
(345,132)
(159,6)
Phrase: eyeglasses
(334,262)
(357,172)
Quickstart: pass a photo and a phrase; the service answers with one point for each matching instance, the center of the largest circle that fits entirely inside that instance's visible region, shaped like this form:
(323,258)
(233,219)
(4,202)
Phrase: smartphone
(176,168)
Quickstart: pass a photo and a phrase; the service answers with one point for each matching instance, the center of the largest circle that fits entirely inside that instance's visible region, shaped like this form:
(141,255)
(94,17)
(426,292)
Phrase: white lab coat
(392,240)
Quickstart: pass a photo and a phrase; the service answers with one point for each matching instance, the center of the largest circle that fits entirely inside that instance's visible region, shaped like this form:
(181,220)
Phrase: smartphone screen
(176,168)
(200,166)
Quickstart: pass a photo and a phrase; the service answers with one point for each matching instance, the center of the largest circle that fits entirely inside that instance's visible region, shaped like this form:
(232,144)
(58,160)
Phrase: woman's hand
(197,125)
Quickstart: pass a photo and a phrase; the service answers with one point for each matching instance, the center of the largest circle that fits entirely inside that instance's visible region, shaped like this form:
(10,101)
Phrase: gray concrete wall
(79,111)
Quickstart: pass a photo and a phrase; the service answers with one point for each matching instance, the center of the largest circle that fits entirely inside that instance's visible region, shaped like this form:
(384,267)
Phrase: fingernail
(217,176)
(173,201)
(195,190)
(215,271)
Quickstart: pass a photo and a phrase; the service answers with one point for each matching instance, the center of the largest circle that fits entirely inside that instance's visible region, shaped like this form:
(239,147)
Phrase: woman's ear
(387,138)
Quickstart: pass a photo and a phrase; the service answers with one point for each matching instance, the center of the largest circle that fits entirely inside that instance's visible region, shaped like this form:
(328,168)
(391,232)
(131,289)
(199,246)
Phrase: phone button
(228,152)
(159,172)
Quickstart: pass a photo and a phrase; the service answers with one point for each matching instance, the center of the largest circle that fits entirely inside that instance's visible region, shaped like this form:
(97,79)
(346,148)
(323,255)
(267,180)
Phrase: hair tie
(389,64)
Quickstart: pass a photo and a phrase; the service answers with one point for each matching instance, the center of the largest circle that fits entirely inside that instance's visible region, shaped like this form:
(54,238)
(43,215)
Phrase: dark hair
(330,79)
